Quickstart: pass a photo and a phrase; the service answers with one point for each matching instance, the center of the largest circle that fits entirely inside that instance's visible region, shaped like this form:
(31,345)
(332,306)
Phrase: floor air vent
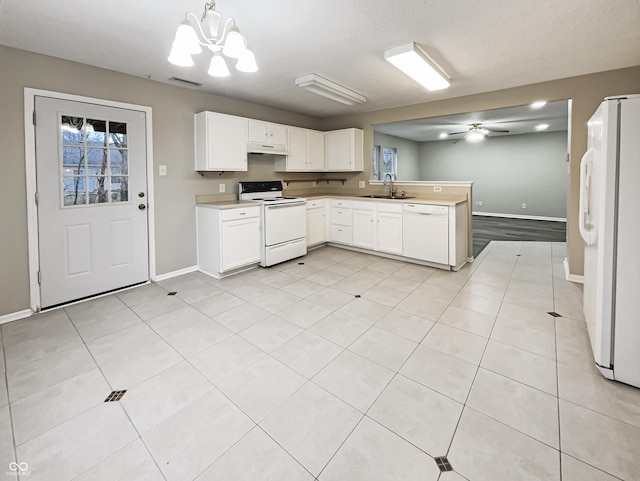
(115,396)
(443,463)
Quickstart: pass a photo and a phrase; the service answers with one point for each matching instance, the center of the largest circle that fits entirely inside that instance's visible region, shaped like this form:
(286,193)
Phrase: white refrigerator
(610,226)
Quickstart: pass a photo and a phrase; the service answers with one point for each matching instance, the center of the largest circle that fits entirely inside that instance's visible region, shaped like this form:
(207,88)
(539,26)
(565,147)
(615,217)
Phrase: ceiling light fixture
(321,86)
(475,136)
(538,104)
(443,135)
(228,42)
(415,63)
(542,126)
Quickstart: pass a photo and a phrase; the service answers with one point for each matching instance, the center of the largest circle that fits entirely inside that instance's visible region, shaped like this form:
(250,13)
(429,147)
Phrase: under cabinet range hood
(264,148)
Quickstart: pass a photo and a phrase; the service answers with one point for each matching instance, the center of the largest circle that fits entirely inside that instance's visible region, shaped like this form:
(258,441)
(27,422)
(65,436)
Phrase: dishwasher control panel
(426,209)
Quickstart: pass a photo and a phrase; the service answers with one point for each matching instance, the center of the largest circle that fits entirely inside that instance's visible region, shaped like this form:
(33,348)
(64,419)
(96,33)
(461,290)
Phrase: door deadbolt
(140,194)
(142,207)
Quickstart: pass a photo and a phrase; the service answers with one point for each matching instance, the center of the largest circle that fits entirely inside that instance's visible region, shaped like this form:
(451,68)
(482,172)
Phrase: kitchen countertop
(450,200)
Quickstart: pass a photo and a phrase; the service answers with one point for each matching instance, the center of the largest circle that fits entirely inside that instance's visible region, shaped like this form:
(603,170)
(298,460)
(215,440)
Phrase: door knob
(142,207)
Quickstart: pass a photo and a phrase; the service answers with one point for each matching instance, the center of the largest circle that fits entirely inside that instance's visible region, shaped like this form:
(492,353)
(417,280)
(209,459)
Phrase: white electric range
(283,221)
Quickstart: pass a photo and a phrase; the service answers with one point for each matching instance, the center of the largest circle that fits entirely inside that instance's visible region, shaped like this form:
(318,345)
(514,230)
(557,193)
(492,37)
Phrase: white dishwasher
(425,232)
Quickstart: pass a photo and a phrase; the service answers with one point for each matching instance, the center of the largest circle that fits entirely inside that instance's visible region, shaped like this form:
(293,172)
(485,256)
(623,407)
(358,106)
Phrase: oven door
(284,222)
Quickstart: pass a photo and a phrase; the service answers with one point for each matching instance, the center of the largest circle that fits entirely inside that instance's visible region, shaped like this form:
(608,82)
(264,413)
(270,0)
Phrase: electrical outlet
(361,184)
(221,188)
(437,188)
(162,170)
(479,203)
(524,206)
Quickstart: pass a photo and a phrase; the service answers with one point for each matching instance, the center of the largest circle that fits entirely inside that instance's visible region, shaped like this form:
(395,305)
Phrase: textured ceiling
(483,45)
(517,120)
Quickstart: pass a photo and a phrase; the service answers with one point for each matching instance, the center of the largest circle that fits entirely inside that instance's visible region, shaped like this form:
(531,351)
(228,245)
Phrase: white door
(92,199)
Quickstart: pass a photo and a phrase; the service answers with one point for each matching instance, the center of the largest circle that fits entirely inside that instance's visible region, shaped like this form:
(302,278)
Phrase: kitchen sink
(376,196)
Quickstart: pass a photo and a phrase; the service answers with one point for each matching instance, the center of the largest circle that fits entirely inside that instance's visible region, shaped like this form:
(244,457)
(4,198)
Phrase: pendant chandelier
(227,42)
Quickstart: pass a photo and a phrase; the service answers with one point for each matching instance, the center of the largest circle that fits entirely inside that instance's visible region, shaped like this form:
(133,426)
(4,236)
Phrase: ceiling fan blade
(495,130)
(461,138)
(456,133)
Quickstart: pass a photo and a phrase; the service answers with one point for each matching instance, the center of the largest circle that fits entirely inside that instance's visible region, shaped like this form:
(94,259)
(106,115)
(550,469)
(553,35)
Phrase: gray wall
(507,171)
(407,151)
(173,109)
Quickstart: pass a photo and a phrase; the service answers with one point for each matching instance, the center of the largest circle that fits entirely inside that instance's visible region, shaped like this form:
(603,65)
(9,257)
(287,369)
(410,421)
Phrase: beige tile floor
(286,374)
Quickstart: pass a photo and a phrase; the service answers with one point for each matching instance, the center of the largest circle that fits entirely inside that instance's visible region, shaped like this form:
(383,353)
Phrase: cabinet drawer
(340,216)
(239,213)
(363,205)
(393,208)
(345,204)
(313,204)
(341,234)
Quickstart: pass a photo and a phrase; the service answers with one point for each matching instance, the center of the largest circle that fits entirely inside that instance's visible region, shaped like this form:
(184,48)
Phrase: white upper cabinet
(220,142)
(267,134)
(306,152)
(343,150)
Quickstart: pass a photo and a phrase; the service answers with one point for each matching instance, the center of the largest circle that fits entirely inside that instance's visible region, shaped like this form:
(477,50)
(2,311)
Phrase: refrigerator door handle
(584,220)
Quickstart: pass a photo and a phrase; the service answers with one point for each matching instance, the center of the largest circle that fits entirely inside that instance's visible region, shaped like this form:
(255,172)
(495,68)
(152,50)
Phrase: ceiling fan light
(415,63)
(179,57)
(235,44)
(186,40)
(475,137)
(247,62)
(443,135)
(218,67)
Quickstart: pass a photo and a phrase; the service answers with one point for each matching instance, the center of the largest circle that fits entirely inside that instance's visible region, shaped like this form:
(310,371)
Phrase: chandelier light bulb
(235,44)
(212,19)
(247,62)
(218,67)
(186,39)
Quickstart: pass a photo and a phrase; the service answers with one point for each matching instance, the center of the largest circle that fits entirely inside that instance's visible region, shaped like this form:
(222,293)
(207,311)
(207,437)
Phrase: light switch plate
(162,170)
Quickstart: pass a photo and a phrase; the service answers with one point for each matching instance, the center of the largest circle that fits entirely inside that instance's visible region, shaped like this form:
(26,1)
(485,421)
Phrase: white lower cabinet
(316,222)
(389,228)
(340,221)
(364,224)
(228,239)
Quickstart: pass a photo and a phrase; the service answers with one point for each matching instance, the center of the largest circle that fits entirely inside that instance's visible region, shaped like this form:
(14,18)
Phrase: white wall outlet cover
(361,184)
(221,188)
(162,170)
(437,188)
(524,206)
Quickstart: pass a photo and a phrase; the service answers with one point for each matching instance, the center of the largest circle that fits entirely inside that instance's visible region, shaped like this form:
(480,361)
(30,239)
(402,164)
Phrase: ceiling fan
(476,133)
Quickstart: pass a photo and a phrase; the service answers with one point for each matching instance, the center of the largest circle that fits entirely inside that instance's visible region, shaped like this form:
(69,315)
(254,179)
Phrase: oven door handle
(283,206)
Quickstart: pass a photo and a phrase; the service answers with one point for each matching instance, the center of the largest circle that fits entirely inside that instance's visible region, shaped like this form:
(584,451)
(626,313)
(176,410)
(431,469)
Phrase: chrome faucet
(388,174)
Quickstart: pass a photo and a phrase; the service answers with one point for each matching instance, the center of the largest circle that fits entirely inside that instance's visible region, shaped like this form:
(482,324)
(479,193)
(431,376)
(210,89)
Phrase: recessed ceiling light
(542,126)
(444,135)
(415,63)
(538,104)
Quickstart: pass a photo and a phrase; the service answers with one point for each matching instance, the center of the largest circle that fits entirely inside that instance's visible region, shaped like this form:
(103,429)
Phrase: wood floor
(486,229)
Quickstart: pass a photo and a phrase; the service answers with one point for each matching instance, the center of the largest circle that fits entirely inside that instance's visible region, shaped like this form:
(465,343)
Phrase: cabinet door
(277,134)
(258,131)
(315,150)
(297,158)
(338,150)
(240,243)
(316,231)
(364,229)
(221,142)
(389,233)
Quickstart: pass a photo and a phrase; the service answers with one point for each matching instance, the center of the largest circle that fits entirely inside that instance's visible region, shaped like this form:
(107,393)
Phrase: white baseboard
(14,316)
(569,276)
(177,273)
(517,216)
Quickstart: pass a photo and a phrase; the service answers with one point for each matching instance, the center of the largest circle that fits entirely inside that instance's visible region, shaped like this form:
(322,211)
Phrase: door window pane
(95,161)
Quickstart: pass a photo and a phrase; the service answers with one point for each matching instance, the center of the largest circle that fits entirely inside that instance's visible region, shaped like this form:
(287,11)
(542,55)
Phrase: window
(385,161)
(95,166)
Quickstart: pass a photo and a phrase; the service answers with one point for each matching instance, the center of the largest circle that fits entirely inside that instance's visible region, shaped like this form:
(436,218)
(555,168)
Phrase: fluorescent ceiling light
(542,126)
(415,63)
(321,86)
(538,104)
(444,135)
